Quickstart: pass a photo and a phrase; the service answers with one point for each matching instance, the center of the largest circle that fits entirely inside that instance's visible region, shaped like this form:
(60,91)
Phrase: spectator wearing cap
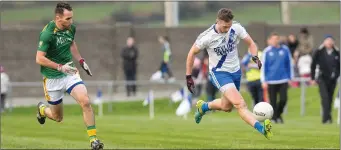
(4,87)
(327,57)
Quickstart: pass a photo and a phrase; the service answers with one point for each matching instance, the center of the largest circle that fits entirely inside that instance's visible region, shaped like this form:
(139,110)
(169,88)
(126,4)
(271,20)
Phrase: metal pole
(303,89)
(285,12)
(110,96)
(171,14)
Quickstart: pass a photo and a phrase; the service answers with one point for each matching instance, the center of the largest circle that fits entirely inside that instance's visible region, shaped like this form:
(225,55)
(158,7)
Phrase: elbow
(38,60)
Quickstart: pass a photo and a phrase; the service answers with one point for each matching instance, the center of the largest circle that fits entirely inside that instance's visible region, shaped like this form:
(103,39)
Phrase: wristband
(59,67)
(81,61)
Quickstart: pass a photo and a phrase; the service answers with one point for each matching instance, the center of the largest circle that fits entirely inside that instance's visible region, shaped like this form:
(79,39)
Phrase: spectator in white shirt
(4,87)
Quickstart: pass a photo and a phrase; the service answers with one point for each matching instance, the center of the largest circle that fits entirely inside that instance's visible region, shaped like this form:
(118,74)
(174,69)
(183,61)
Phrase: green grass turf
(129,126)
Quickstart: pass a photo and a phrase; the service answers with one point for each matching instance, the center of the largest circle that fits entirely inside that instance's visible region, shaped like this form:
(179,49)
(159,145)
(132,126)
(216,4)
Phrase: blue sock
(259,127)
(205,107)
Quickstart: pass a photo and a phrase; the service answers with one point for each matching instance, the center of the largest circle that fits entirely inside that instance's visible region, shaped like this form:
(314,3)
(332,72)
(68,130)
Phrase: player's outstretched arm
(78,57)
(253,50)
(189,65)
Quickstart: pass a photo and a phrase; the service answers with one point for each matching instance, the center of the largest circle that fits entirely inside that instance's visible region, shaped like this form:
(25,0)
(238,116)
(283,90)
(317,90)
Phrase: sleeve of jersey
(201,42)
(44,41)
(242,32)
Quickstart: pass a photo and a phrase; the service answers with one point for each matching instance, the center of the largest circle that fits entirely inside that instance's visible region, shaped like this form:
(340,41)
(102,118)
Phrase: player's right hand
(190,83)
(67,68)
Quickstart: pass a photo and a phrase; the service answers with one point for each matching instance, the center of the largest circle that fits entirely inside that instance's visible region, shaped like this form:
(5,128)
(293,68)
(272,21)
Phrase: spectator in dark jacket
(292,43)
(327,57)
(129,55)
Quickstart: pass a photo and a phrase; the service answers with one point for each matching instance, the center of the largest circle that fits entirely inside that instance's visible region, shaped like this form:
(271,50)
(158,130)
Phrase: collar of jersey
(56,29)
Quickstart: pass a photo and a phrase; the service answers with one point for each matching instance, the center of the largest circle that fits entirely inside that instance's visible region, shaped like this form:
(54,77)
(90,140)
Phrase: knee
(58,118)
(241,105)
(227,107)
(85,102)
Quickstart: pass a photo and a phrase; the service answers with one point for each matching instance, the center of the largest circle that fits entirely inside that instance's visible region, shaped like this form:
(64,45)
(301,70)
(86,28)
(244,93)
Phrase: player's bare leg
(230,97)
(221,104)
(79,93)
(54,112)
(233,95)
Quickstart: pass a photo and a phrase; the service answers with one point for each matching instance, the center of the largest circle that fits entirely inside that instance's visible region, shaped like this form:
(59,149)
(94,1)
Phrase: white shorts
(54,89)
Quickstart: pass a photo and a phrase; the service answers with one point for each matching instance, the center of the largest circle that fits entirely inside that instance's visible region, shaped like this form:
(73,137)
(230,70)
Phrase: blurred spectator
(198,77)
(283,40)
(304,66)
(129,55)
(167,53)
(276,73)
(4,88)
(327,57)
(306,43)
(211,90)
(292,43)
(253,77)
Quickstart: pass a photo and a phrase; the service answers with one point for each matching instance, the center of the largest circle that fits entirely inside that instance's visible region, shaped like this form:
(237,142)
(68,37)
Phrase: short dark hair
(304,30)
(273,34)
(61,6)
(225,14)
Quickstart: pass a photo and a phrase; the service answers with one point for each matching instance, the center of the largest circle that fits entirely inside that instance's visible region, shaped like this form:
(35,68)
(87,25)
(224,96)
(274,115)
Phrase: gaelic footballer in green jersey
(56,48)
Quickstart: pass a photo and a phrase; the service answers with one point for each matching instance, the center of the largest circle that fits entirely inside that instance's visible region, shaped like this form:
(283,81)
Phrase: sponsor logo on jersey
(63,40)
(227,47)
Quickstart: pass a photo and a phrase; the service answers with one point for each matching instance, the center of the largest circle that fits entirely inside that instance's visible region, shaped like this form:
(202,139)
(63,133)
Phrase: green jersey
(56,43)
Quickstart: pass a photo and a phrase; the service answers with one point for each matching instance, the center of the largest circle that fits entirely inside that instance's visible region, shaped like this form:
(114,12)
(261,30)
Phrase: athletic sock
(92,133)
(259,127)
(205,107)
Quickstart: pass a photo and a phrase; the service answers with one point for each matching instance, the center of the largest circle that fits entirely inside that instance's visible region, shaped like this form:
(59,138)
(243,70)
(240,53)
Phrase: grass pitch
(129,126)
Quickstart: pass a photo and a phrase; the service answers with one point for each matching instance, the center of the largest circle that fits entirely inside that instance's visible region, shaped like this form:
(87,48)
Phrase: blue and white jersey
(222,47)
(277,65)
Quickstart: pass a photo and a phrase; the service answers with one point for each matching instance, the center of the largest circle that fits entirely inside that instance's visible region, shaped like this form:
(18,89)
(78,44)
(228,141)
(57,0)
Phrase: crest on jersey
(40,43)
(271,54)
(281,52)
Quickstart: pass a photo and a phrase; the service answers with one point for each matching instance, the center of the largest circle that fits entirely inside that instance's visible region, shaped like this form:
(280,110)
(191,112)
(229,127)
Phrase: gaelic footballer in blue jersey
(221,40)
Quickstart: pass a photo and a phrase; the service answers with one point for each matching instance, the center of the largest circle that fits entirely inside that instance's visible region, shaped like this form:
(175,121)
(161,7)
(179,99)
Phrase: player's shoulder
(237,26)
(49,27)
(48,30)
(207,33)
(73,28)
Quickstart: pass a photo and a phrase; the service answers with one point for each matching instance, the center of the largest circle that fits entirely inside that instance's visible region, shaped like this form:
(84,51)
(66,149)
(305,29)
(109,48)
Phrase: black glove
(257,61)
(190,83)
(85,66)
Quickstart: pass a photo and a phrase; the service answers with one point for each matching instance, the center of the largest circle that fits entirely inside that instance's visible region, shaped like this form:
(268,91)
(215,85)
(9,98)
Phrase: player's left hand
(257,61)
(190,83)
(85,66)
